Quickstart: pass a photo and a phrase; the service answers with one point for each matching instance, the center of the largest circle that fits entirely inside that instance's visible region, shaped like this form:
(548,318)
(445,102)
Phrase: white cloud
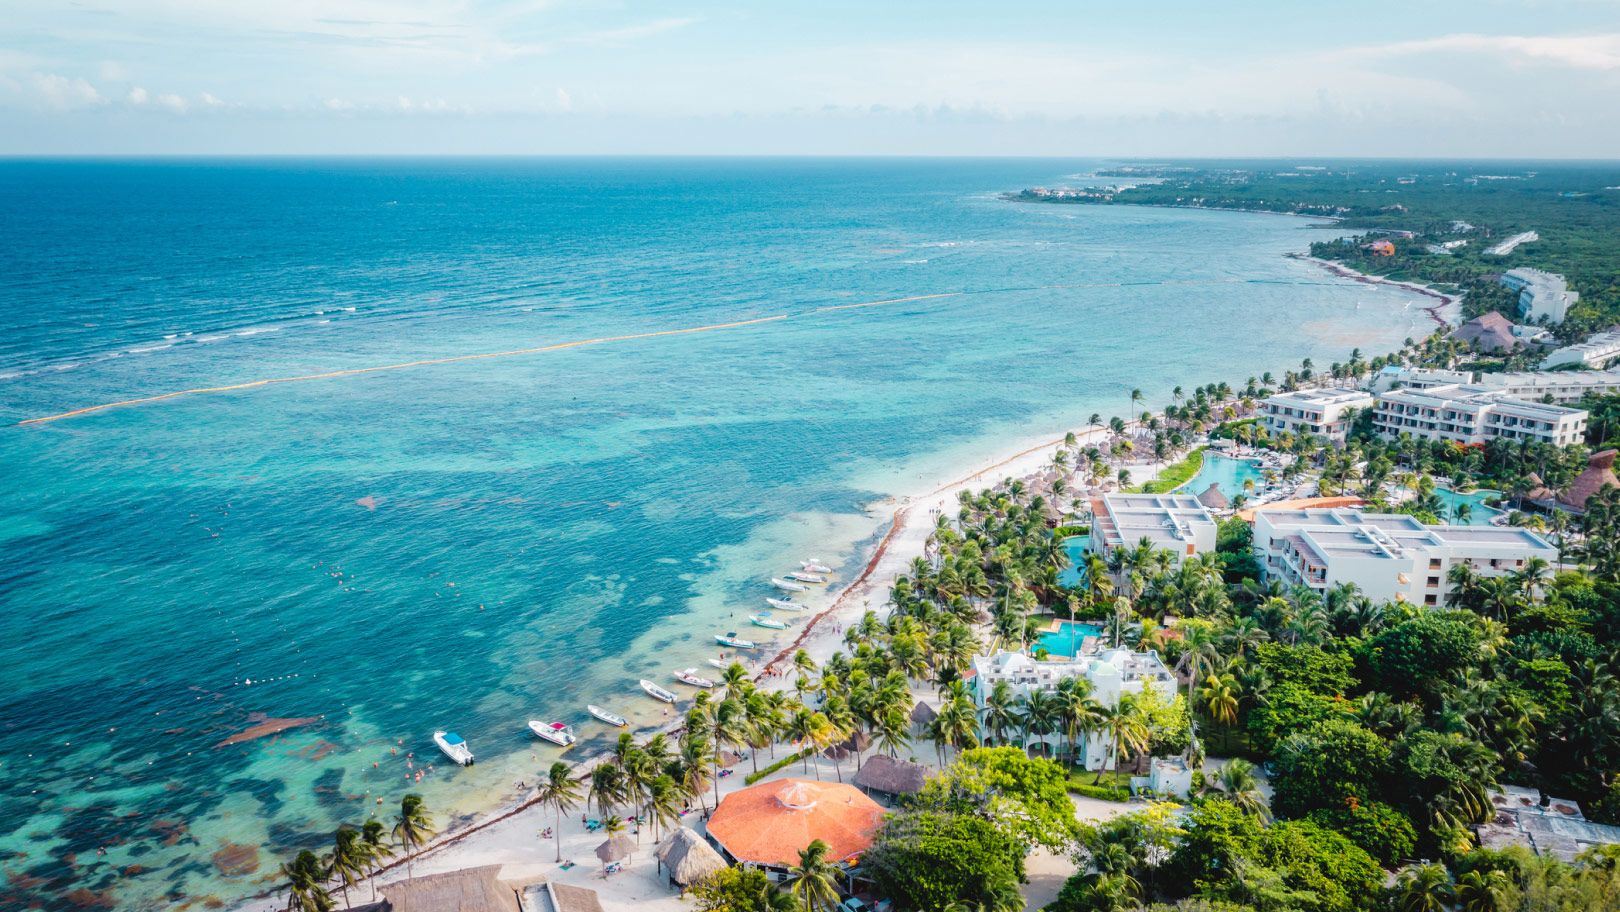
(1587,52)
(563,101)
(174,103)
(212,102)
(338,104)
(623,37)
(137,95)
(63,92)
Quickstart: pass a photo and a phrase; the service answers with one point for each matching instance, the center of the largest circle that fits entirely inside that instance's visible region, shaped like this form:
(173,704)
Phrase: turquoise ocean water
(473,544)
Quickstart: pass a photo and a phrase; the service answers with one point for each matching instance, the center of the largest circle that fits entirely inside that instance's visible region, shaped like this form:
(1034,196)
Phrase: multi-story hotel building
(1317,412)
(1474,414)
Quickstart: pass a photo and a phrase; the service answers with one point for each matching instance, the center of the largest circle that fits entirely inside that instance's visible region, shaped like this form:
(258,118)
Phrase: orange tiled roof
(769,823)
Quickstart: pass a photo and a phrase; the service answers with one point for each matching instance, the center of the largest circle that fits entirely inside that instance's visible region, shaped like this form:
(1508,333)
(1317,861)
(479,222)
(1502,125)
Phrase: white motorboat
(789,585)
(761,620)
(731,639)
(555,732)
(786,604)
(656,692)
(690,676)
(608,717)
(803,577)
(721,664)
(454,746)
(812,566)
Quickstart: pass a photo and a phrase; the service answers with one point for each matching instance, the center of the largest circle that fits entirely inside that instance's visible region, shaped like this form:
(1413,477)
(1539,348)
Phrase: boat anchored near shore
(814,566)
(656,692)
(454,746)
(555,732)
(789,585)
(690,676)
(786,604)
(761,620)
(608,717)
(731,639)
(803,577)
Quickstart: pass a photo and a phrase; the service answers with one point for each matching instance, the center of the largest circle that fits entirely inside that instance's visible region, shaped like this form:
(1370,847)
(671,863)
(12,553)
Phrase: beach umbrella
(617,847)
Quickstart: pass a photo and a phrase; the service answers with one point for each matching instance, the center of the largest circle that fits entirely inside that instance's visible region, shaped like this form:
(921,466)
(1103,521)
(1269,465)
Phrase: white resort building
(1541,294)
(1565,387)
(1174,522)
(1317,412)
(1597,351)
(1389,556)
(1474,414)
(1110,673)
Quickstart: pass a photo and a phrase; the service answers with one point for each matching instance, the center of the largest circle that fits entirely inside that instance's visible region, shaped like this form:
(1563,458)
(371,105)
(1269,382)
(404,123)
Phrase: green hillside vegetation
(1573,207)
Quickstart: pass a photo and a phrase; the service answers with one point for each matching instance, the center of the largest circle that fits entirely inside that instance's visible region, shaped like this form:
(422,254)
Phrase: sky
(1423,78)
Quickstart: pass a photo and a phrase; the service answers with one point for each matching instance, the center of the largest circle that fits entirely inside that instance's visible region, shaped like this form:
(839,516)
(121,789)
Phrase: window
(1434,563)
(1430,600)
(1434,582)
(1190,549)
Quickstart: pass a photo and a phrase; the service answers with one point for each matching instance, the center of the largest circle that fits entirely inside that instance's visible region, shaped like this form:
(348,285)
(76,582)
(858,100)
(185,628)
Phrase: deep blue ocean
(473,544)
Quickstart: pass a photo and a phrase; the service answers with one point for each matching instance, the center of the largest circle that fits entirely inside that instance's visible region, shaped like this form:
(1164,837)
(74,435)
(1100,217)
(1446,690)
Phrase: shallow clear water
(1226,473)
(472,544)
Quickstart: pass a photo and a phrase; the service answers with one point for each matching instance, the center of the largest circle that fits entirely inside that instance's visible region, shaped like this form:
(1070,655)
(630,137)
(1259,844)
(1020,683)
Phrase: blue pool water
(472,544)
(1075,573)
(1224,472)
(1479,514)
(1066,640)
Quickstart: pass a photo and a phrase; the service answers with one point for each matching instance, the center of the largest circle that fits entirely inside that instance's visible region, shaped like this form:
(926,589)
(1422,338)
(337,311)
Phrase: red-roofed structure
(768,824)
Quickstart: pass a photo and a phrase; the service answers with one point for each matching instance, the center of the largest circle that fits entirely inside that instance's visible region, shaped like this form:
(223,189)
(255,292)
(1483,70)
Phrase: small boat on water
(814,566)
(721,664)
(786,604)
(690,676)
(454,746)
(555,732)
(731,639)
(803,577)
(605,716)
(656,692)
(789,585)
(761,620)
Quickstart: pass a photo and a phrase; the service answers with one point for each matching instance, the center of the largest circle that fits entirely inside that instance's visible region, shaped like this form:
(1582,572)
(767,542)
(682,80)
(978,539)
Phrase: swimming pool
(1478,513)
(1225,472)
(1075,573)
(1066,639)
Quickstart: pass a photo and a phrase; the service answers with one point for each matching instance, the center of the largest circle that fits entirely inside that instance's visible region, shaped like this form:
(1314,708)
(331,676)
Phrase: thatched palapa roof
(688,858)
(857,742)
(618,846)
(1214,499)
(467,890)
(565,898)
(922,713)
(885,774)
(1599,472)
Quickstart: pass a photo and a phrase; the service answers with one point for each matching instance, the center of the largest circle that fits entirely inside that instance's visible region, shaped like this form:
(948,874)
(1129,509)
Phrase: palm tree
(956,726)
(380,851)
(607,788)
(1042,712)
(1081,713)
(1485,891)
(692,767)
(350,859)
(893,731)
(814,880)
(733,679)
(1424,889)
(1128,728)
(663,802)
(1220,696)
(1237,781)
(561,791)
(413,827)
(305,878)
(1001,711)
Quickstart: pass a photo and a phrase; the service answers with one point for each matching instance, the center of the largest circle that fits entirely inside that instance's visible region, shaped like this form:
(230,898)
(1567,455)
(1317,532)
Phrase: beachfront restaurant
(766,826)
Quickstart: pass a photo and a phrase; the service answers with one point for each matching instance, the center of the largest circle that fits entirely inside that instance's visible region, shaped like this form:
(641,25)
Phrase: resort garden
(1344,749)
